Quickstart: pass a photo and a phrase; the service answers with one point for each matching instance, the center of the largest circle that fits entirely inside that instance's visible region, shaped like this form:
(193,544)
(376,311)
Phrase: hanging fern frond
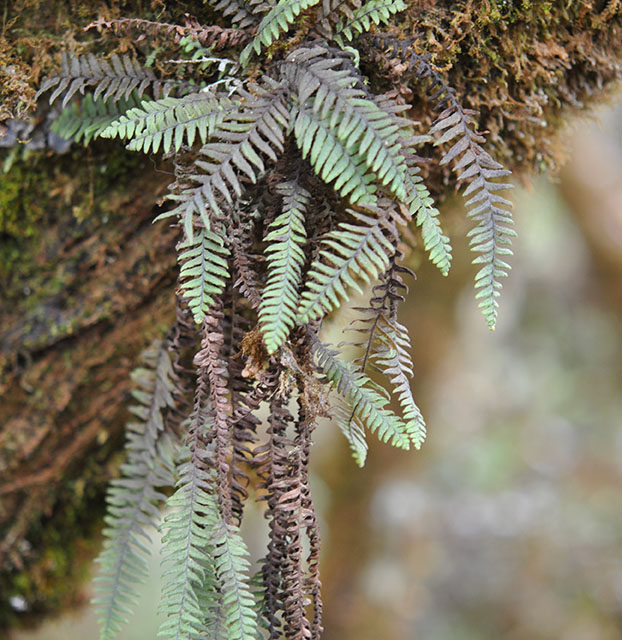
(111,80)
(365,399)
(167,122)
(353,251)
(230,557)
(493,233)
(285,258)
(352,430)
(277,21)
(257,129)
(133,499)
(204,272)
(393,359)
(371,12)
(88,119)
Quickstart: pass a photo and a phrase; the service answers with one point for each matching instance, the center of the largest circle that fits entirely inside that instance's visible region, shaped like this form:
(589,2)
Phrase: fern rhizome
(293,184)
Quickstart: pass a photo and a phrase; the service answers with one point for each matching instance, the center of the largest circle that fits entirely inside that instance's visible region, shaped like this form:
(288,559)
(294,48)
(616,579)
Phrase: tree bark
(87,281)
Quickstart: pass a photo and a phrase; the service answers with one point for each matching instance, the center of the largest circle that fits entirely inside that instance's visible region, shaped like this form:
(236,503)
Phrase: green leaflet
(285,257)
(203,271)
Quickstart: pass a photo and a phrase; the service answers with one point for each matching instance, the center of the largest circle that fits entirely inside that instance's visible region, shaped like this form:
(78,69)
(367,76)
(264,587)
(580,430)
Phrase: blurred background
(508,522)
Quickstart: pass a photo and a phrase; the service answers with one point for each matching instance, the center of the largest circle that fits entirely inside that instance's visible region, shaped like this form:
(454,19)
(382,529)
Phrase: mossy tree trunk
(87,281)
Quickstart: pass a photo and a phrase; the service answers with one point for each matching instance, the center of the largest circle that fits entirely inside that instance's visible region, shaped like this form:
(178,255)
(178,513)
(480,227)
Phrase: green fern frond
(393,359)
(87,119)
(256,129)
(188,565)
(365,399)
(351,252)
(285,256)
(277,21)
(231,563)
(112,80)
(168,121)
(204,270)
(133,498)
(493,233)
(373,11)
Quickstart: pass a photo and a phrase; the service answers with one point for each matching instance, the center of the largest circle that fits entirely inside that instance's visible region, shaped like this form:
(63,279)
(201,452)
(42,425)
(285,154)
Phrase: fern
(373,11)
(277,21)
(133,498)
(285,258)
(365,399)
(492,235)
(203,271)
(256,129)
(169,121)
(112,80)
(88,119)
(352,251)
(231,564)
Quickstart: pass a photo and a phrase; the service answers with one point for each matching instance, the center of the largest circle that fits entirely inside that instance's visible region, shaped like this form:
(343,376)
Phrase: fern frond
(277,21)
(133,498)
(285,257)
(394,360)
(168,121)
(256,129)
(86,120)
(493,233)
(188,567)
(230,557)
(351,252)
(112,80)
(364,398)
(352,430)
(373,11)
(204,270)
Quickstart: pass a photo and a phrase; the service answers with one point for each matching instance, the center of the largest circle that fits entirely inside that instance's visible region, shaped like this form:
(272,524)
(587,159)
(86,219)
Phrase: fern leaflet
(286,258)
(373,11)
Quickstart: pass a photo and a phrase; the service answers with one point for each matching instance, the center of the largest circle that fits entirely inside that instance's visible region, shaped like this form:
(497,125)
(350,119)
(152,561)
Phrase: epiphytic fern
(293,182)
(371,12)
(133,498)
(351,252)
(285,257)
